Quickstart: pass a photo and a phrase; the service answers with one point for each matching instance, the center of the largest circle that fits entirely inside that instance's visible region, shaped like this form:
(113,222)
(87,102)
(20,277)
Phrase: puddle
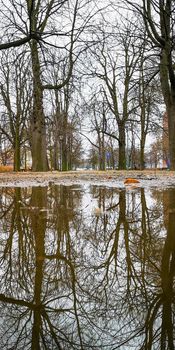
(87,267)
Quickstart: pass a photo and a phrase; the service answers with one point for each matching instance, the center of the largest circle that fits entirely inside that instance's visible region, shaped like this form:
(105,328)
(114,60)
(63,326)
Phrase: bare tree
(50,25)
(149,107)
(158,17)
(38,127)
(16,101)
(116,69)
(64,141)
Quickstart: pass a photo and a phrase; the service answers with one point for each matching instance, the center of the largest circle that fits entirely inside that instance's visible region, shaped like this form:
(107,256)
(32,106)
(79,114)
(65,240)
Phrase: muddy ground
(116,178)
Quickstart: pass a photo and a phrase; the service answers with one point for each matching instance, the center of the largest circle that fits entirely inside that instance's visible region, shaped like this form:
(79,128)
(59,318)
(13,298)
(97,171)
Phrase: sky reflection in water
(87,268)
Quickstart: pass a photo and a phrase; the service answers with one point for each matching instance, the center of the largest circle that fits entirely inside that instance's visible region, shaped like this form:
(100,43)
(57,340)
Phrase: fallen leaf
(131,181)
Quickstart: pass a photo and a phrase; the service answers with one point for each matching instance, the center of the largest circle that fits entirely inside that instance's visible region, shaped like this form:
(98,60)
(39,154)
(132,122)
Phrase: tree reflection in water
(71,279)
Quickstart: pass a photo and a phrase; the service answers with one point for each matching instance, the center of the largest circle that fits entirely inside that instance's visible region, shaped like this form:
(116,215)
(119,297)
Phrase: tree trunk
(142,153)
(122,150)
(70,141)
(101,163)
(171,132)
(17,158)
(38,126)
(168,90)
(64,156)
(102,157)
(144,129)
(55,156)
(64,166)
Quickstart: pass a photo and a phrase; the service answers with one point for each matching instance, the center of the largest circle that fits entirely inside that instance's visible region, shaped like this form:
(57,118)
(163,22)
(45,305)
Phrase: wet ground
(155,178)
(88,264)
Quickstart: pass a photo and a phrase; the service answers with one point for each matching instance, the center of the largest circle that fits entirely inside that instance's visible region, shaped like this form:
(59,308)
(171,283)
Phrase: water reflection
(87,268)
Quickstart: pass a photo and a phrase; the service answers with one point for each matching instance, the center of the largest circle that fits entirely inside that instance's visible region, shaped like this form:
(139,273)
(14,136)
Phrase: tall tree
(116,69)
(45,26)
(42,15)
(16,101)
(158,17)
